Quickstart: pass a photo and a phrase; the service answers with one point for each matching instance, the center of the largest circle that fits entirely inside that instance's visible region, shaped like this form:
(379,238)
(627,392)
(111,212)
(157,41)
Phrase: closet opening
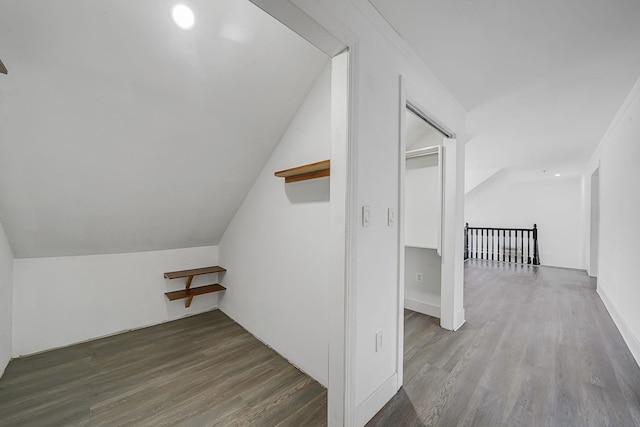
(422,213)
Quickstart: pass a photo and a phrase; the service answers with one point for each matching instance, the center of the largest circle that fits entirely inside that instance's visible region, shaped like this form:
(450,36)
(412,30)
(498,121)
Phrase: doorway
(422,205)
(422,215)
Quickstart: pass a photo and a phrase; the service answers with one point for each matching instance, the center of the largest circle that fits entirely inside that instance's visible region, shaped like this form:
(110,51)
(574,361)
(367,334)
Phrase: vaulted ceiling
(541,80)
(121,132)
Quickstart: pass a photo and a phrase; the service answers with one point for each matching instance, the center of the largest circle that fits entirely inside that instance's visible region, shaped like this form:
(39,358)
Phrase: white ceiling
(120,132)
(541,80)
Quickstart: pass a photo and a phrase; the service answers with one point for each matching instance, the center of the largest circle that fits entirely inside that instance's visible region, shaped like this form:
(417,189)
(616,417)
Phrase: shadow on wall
(309,191)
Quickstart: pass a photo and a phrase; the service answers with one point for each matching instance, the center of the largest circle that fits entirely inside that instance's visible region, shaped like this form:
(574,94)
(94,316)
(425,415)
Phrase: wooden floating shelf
(188,292)
(310,171)
(192,292)
(194,272)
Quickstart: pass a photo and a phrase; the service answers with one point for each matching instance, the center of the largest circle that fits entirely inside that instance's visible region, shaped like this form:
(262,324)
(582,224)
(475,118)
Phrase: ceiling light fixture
(183,16)
(557,174)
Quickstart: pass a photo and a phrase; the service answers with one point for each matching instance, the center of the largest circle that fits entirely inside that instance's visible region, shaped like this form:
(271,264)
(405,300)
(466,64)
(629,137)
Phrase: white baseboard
(372,404)
(3,366)
(422,307)
(247,327)
(123,331)
(629,338)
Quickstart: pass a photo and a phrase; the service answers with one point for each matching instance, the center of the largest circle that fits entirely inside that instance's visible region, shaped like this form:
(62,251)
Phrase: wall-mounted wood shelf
(188,292)
(194,272)
(310,171)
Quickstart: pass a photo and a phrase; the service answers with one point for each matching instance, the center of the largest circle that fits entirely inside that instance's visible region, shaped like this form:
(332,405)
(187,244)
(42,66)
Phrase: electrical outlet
(378,340)
(419,277)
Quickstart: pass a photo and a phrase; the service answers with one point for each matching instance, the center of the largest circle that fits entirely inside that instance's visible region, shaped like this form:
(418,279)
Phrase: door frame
(594,223)
(344,214)
(405,99)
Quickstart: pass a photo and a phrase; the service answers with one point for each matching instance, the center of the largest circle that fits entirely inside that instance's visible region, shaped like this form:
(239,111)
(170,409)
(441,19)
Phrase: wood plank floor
(538,349)
(203,370)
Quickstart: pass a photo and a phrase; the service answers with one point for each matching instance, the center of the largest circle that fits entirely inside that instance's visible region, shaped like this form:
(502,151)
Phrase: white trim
(376,400)
(629,338)
(402,166)
(440,206)
(124,331)
(432,310)
(244,325)
(336,402)
(350,326)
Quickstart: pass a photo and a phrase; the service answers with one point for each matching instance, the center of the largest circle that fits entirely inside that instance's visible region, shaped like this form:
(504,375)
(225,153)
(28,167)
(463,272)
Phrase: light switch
(391,217)
(366,216)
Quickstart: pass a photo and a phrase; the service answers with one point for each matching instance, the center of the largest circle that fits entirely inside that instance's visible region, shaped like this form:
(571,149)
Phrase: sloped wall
(276,248)
(64,300)
(6,300)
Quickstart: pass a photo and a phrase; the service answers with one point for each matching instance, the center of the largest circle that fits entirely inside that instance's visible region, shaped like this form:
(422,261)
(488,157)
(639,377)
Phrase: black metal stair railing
(502,244)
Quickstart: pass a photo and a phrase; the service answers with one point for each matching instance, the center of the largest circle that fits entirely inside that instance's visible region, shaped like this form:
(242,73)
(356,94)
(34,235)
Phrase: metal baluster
(536,255)
(475,244)
(493,244)
(522,246)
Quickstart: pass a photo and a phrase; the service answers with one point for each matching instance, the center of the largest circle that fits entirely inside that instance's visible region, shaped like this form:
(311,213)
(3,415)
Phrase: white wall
(277,247)
(519,199)
(161,122)
(378,57)
(423,295)
(64,300)
(421,213)
(421,202)
(6,300)
(617,158)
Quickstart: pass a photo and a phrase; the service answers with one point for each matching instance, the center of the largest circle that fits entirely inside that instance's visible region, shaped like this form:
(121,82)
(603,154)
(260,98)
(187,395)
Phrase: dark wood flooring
(538,349)
(203,370)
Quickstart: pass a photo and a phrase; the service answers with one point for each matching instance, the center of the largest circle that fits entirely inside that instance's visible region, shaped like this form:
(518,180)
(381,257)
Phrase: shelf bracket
(187,302)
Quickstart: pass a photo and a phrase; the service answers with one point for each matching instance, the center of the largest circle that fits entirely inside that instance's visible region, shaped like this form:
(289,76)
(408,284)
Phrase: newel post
(536,255)
(466,241)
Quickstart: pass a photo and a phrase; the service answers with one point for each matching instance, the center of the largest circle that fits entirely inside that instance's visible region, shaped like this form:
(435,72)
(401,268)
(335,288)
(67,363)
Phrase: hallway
(538,349)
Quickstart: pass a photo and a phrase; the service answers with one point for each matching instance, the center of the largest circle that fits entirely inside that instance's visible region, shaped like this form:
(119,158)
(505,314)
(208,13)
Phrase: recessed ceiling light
(557,174)
(183,16)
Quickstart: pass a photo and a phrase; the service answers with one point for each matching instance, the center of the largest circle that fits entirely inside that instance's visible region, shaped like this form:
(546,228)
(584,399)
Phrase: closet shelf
(310,171)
